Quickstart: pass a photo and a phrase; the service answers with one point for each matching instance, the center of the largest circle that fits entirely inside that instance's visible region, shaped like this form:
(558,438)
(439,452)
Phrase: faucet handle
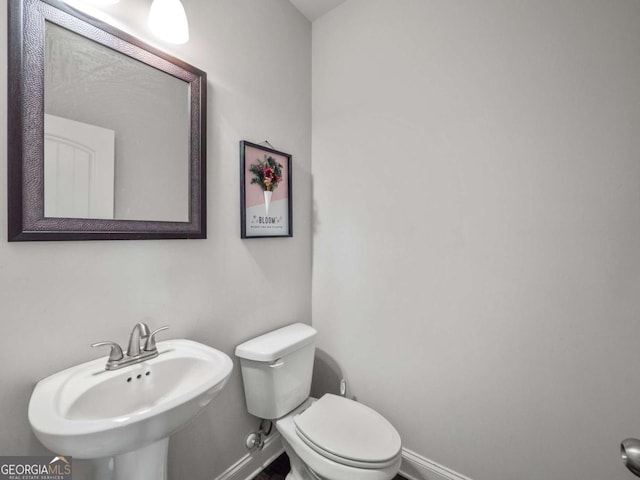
(150,344)
(116,351)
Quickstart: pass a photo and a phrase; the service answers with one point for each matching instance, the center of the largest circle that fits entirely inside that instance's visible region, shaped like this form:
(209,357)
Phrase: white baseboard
(416,467)
(254,462)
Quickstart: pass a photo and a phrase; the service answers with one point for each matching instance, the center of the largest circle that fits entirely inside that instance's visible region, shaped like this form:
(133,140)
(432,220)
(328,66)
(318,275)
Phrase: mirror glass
(116,134)
(106,134)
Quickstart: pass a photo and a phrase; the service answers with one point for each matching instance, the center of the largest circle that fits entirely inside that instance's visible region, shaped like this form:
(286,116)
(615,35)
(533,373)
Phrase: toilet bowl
(332,449)
(331,438)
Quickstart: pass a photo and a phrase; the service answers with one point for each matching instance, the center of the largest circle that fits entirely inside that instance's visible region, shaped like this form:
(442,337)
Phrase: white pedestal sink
(128,414)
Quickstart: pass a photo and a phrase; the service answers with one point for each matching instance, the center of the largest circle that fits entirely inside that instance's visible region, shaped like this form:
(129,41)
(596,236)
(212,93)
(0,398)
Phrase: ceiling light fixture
(168,21)
(167,18)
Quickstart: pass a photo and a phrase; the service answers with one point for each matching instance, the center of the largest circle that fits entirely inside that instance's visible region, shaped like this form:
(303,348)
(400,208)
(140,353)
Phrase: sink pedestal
(147,463)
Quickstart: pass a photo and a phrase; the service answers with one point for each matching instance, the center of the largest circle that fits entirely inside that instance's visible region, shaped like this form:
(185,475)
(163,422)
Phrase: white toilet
(332,438)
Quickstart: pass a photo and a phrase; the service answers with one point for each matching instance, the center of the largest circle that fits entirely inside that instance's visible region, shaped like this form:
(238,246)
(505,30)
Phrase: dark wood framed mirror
(106,135)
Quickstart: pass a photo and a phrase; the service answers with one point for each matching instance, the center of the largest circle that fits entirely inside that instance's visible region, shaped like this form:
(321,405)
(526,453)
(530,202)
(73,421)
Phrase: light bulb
(168,21)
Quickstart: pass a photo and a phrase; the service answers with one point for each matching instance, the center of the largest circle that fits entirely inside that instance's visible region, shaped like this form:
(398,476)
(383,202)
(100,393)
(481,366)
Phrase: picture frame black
(264,169)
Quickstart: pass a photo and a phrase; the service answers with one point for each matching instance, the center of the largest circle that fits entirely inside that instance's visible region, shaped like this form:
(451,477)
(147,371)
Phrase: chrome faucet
(135,354)
(139,333)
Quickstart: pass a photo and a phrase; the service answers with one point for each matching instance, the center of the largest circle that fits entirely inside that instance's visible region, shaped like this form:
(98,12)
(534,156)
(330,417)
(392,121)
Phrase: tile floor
(279,468)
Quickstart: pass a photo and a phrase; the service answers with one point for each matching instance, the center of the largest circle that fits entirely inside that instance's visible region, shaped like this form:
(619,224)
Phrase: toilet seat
(349,433)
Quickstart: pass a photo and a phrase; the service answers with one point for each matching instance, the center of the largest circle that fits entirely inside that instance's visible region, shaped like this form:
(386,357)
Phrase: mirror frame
(26,220)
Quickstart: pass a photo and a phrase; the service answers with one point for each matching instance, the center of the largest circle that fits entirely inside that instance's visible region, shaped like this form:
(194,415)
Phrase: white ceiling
(313,9)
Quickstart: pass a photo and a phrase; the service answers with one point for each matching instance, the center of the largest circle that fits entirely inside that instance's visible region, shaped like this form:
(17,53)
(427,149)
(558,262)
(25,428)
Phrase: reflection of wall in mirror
(148,110)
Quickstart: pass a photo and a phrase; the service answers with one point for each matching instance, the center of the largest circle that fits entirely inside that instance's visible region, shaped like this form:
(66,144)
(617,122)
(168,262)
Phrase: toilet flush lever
(277,363)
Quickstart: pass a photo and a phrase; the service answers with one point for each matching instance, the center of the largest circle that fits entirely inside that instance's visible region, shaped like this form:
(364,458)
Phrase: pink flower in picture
(267,173)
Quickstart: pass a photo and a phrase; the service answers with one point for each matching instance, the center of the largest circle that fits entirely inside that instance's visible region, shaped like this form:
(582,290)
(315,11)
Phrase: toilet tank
(276,370)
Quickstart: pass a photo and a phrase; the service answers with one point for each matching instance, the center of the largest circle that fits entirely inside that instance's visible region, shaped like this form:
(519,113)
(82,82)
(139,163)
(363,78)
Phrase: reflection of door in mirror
(78,169)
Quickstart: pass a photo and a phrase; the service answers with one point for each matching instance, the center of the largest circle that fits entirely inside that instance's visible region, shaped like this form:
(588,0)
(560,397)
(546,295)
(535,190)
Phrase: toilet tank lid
(276,344)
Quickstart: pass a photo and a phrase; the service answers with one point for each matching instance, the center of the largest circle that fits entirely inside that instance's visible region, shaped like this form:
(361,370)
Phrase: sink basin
(88,412)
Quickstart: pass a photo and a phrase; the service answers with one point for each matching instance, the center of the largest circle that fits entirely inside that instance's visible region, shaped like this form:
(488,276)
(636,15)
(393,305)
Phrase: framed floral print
(265,192)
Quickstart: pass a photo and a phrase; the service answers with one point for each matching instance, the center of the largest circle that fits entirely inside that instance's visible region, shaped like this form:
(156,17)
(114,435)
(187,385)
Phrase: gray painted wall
(57,298)
(476,275)
(476,267)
